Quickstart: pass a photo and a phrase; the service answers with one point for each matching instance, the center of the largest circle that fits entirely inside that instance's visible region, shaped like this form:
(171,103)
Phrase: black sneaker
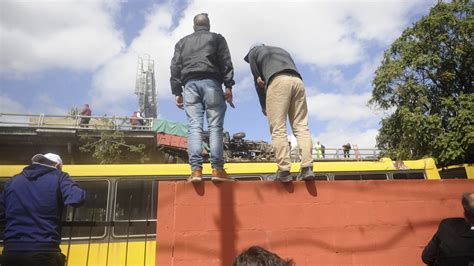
(306,174)
(282,176)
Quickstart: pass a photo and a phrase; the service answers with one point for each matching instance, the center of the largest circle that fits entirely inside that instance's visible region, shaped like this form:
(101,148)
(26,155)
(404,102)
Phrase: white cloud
(346,117)
(329,36)
(342,118)
(345,108)
(317,33)
(115,81)
(47,105)
(9,105)
(363,79)
(381,21)
(336,134)
(10,109)
(245,90)
(41,35)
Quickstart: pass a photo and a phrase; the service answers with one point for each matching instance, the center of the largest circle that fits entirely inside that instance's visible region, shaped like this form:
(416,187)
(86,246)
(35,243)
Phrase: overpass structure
(22,135)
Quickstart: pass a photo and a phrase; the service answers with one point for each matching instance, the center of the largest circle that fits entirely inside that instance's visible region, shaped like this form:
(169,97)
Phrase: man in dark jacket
(201,63)
(281,93)
(31,206)
(453,243)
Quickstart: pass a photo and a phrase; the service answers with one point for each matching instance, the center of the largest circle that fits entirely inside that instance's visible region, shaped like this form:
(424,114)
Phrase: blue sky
(55,55)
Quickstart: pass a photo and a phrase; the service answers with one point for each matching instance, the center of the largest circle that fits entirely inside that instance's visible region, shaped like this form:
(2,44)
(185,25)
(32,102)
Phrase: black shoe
(282,176)
(306,174)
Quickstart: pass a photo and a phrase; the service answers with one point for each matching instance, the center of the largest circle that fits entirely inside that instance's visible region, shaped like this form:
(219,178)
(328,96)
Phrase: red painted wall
(315,223)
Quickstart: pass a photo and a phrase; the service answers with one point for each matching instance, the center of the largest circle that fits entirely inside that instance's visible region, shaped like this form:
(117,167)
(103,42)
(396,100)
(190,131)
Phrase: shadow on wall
(323,219)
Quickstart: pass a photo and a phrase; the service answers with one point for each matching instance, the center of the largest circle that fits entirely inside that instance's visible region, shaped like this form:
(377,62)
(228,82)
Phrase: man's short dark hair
(202,20)
(468,205)
(257,256)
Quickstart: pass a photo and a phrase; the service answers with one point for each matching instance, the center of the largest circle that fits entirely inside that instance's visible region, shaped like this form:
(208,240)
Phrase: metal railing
(146,124)
(354,154)
(76,122)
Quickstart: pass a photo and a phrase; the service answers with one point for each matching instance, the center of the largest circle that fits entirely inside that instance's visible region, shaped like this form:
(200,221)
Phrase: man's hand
(228,96)
(179,102)
(260,83)
(264,112)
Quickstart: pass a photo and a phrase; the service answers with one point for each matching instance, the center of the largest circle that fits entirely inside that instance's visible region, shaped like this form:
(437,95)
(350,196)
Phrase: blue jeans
(205,96)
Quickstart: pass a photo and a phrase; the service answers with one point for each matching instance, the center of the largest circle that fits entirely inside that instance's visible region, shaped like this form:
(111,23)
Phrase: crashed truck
(171,139)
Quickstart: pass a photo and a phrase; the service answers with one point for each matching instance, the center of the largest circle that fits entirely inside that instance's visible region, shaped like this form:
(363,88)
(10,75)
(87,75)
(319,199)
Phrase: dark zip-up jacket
(201,55)
(267,62)
(31,206)
(452,244)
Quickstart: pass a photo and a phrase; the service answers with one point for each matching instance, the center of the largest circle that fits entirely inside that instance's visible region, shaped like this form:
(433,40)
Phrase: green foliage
(74,111)
(426,79)
(112,148)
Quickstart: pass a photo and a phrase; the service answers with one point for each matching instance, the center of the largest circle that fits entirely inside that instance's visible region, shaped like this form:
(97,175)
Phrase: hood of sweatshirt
(35,170)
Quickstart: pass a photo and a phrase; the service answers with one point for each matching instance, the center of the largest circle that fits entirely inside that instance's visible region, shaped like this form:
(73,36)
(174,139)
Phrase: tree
(112,148)
(426,81)
(74,111)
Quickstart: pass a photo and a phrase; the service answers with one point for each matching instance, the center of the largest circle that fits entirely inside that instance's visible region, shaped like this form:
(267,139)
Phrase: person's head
(257,256)
(86,105)
(253,46)
(48,159)
(468,205)
(201,20)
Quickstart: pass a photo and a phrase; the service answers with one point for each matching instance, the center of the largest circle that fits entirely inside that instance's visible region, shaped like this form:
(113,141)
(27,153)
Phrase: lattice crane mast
(145,87)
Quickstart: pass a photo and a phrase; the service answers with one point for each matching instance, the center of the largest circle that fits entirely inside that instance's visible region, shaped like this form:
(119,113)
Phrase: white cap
(49,156)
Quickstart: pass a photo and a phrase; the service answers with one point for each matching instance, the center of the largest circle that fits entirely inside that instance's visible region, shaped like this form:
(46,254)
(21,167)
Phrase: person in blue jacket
(30,209)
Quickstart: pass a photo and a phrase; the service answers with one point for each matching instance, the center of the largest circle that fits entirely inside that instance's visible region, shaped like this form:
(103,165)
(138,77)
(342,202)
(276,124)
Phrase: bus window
(94,209)
(409,175)
(135,207)
(458,172)
(347,177)
(362,176)
(320,177)
(2,186)
(374,177)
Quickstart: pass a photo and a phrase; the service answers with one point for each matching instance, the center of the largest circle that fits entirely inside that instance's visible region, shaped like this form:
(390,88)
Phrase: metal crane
(145,87)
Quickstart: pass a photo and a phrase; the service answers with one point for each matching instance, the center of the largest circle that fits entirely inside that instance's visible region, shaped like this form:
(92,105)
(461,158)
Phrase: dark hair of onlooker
(257,256)
(468,205)
(202,20)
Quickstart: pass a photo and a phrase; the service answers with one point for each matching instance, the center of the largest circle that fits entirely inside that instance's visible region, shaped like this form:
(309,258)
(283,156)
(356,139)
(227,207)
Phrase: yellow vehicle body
(180,171)
(139,249)
(116,255)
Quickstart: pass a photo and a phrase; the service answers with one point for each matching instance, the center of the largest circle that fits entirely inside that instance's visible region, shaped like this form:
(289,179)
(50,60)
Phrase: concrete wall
(315,223)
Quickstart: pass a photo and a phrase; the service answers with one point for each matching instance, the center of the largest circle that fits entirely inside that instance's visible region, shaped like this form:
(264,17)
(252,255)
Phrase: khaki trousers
(286,98)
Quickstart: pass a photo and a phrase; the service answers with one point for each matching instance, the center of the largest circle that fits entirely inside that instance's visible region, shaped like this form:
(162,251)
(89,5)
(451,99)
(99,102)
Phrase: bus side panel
(117,253)
(470,171)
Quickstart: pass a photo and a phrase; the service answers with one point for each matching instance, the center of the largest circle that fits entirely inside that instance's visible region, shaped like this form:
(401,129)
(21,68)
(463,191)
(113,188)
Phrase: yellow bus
(117,224)
(464,171)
